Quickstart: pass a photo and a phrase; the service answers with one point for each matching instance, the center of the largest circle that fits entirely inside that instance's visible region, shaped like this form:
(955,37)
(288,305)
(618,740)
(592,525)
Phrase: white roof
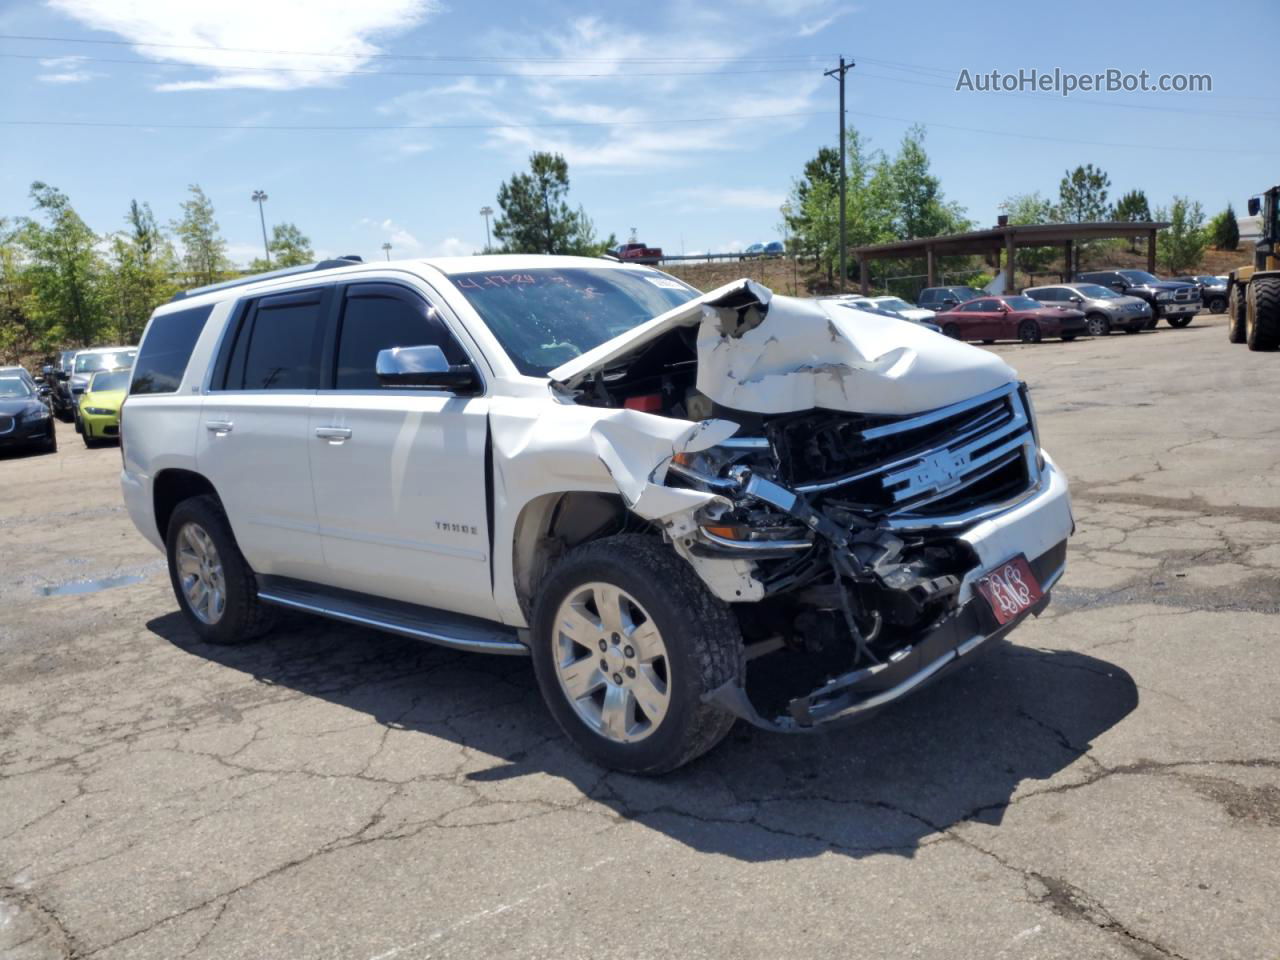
(523,261)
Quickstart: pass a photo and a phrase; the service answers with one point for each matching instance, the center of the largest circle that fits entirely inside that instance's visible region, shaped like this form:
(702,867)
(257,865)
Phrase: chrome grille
(947,461)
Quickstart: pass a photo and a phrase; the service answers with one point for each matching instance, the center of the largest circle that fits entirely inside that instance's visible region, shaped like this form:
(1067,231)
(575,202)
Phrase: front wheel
(1264,313)
(952,330)
(1099,325)
(1068,337)
(215,585)
(1180,322)
(626,643)
(1029,332)
(1237,309)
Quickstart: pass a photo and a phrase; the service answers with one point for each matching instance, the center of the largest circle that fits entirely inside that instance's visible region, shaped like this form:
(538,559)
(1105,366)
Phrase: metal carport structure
(1007,238)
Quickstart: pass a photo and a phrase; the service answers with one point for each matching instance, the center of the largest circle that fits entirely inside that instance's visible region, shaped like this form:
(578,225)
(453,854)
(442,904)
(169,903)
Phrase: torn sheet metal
(772,354)
(550,446)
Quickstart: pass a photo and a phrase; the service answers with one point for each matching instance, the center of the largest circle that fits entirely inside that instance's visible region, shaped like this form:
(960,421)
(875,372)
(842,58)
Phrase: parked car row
(84,386)
(769,250)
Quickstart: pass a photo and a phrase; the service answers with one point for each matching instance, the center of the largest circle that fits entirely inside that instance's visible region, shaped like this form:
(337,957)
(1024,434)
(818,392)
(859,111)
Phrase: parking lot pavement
(1108,785)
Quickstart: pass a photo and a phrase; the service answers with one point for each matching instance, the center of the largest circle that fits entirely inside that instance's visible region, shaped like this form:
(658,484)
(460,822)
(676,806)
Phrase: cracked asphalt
(1107,785)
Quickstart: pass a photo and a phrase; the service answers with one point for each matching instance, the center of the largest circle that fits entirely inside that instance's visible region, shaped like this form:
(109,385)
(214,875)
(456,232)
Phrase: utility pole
(839,73)
(386,248)
(486,211)
(259,197)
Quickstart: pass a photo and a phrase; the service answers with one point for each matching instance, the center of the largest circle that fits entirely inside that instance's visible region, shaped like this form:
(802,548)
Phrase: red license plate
(1011,589)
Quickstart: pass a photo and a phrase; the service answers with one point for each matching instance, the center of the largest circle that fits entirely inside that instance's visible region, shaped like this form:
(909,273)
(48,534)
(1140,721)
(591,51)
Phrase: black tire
(951,330)
(244,617)
(1151,324)
(79,424)
(1217,305)
(699,632)
(1068,337)
(89,442)
(1099,325)
(51,442)
(1181,321)
(64,414)
(1029,332)
(1133,329)
(988,341)
(1237,313)
(1264,313)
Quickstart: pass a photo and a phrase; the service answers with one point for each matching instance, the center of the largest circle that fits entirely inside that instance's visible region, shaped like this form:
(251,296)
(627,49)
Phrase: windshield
(110,380)
(1139,276)
(1023,303)
(89,362)
(546,317)
(14,387)
(894,304)
(1095,291)
(966,293)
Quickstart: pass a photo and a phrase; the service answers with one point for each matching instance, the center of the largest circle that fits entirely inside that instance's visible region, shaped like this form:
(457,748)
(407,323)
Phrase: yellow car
(100,405)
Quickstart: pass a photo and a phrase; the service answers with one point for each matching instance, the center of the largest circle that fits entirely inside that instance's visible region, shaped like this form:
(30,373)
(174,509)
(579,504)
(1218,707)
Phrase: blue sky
(502,73)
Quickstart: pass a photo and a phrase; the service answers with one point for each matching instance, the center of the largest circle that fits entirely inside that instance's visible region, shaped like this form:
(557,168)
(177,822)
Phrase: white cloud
(454,247)
(725,198)
(68,76)
(336,26)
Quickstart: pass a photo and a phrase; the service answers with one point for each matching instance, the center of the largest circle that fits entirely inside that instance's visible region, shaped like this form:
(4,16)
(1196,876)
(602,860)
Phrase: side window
(926,296)
(166,349)
(278,344)
(379,316)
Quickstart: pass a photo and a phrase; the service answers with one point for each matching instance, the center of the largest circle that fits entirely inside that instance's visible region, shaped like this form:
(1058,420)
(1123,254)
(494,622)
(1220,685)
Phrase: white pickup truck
(687,509)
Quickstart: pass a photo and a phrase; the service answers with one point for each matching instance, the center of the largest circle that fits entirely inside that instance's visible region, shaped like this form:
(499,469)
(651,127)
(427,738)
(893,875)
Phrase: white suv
(688,509)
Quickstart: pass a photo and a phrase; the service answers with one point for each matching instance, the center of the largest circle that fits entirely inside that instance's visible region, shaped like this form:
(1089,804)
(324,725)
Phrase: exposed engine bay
(852,522)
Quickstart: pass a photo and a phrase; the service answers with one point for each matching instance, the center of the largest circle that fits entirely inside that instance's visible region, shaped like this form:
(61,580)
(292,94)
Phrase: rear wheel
(1099,325)
(1263,316)
(626,643)
(215,586)
(1029,332)
(1217,305)
(1237,310)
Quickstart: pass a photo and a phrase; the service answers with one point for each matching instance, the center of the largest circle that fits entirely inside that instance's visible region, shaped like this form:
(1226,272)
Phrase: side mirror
(1077,299)
(950,302)
(1255,206)
(424,366)
(44,390)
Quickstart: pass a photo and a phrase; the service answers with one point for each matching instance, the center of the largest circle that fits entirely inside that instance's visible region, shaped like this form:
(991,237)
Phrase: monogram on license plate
(1011,589)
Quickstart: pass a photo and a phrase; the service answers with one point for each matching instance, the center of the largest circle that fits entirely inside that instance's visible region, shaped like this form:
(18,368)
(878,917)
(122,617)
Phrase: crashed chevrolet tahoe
(687,509)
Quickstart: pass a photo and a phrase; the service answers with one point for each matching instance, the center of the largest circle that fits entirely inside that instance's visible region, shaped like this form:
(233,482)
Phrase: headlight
(99,411)
(40,413)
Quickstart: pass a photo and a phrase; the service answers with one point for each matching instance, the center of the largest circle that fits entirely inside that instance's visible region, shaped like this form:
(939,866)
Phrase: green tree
(16,332)
(1133,208)
(289,246)
(204,252)
(1023,208)
(1224,230)
(1082,195)
(536,216)
(921,210)
(67,298)
(143,265)
(1180,247)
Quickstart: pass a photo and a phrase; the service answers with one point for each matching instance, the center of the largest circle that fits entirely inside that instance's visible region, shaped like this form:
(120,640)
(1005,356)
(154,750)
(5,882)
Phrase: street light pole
(386,248)
(259,197)
(486,212)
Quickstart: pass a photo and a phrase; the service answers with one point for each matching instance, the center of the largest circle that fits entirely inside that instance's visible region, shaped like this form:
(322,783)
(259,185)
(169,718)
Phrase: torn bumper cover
(860,693)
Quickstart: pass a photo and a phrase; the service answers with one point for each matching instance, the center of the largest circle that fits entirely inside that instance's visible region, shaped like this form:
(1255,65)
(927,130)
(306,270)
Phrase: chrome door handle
(333,434)
(219,427)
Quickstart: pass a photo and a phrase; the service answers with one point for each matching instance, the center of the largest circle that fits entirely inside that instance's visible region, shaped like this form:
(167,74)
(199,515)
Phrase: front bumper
(25,432)
(1038,527)
(100,426)
(1171,309)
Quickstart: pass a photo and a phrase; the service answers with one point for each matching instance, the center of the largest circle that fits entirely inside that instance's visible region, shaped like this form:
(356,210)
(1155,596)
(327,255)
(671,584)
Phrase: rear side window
(166,349)
(278,344)
(379,316)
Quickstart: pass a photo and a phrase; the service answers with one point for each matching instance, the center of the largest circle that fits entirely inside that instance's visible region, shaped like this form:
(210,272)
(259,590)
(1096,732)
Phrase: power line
(386,56)
(133,125)
(408,73)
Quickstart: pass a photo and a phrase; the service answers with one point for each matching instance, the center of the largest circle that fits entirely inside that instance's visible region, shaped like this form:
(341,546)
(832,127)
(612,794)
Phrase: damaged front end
(872,538)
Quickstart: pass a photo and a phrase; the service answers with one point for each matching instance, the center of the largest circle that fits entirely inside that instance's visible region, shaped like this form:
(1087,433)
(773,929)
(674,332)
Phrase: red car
(636,253)
(1010,318)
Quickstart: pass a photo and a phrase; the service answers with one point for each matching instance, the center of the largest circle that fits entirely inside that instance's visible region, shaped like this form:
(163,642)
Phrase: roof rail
(344,261)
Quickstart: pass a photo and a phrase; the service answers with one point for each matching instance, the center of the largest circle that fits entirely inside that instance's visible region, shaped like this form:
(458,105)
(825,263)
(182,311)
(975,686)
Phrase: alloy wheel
(611,662)
(200,574)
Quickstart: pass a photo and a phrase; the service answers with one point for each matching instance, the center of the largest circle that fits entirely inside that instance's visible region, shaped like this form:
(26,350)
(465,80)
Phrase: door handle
(334,435)
(219,428)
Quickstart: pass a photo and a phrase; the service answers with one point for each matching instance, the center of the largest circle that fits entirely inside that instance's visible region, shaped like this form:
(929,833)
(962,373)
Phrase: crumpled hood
(772,354)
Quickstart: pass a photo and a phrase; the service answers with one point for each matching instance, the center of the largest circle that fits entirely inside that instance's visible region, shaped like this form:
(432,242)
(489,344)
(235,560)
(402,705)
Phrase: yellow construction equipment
(1253,307)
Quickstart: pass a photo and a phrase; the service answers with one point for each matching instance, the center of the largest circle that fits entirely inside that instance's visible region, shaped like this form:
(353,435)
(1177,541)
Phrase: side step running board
(407,619)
